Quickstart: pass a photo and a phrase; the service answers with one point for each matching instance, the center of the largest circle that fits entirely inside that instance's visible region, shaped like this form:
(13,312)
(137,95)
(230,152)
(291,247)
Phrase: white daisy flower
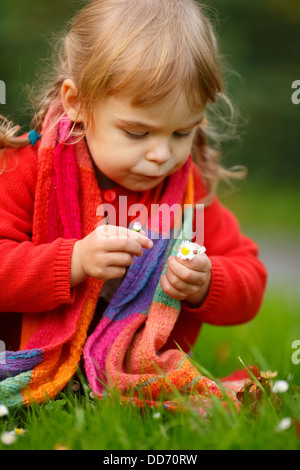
(8,438)
(283,425)
(137,227)
(188,250)
(201,250)
(281,386)
(3,411)
(19,431)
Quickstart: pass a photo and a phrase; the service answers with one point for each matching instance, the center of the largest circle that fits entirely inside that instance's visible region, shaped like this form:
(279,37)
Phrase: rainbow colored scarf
(123,352)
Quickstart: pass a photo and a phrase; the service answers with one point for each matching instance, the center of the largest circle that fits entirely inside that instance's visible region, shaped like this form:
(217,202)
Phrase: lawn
(77,421)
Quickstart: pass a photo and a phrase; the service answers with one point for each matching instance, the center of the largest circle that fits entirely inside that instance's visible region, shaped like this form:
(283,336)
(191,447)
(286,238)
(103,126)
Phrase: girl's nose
(159,152)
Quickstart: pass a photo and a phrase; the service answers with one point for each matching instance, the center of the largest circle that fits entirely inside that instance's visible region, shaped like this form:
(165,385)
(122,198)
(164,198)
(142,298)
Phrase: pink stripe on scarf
(66,170)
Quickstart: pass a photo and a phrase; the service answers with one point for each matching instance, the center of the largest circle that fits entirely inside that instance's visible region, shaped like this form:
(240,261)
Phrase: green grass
(79,422)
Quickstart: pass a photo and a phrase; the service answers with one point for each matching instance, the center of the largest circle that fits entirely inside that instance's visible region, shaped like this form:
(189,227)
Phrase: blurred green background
(260,42)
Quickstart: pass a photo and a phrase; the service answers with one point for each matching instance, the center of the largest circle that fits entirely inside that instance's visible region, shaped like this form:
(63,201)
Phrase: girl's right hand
(106,253)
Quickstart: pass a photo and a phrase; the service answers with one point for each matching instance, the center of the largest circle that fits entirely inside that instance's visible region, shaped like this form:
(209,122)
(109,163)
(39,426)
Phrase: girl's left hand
(187,279)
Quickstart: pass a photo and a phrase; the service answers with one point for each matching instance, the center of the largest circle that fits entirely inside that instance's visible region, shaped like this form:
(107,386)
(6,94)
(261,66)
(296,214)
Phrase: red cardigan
(37,278)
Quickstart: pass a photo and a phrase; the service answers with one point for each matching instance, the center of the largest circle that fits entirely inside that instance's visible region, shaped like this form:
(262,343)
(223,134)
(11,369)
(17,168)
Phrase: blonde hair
(144,49)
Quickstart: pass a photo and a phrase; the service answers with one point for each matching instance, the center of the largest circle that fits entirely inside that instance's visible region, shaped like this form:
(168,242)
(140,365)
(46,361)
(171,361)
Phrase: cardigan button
(110,195)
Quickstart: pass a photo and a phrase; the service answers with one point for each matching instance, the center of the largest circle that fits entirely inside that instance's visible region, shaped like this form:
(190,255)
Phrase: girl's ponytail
(9,135)
(9,139)
(9,131)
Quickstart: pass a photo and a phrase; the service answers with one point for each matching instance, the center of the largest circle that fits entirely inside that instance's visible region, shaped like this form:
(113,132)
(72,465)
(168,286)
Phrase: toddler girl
(124,119)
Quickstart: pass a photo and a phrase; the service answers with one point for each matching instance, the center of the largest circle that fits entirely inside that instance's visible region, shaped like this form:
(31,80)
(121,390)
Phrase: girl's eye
(178,135)
(184,135)
(134,136)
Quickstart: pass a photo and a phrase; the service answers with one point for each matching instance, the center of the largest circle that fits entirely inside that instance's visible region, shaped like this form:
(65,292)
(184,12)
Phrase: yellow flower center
(19,431)
(185,250)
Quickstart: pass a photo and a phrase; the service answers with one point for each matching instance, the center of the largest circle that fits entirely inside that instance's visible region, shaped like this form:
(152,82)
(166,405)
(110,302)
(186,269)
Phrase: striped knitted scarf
(123,352)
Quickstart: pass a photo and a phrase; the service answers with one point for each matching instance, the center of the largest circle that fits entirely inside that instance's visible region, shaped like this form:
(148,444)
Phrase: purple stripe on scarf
(14,363)
(136,291)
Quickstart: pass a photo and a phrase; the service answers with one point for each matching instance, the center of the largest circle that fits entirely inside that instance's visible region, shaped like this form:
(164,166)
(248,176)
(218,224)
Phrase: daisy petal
(3,411)
(283,425)
(8,438)
(281,386)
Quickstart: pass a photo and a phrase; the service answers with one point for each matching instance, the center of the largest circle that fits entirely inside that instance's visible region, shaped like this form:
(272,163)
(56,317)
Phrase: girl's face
(137,147)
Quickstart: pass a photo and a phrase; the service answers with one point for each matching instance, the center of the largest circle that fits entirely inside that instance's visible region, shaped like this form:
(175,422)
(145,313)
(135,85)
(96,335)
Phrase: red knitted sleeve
(238,276)
(33,278)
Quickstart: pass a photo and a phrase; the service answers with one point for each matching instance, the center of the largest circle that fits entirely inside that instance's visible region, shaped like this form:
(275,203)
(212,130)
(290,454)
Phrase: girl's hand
(106,253)
(187,279)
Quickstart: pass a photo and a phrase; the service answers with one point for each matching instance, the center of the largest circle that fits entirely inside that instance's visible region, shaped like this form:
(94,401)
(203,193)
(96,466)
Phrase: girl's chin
(145,185)
(142,183)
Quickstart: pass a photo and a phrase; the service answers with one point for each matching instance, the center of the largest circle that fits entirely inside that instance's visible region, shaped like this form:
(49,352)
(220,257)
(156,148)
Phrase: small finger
(123,245)
(200,263)
(119,259)
(113,232)
(141,238)
(114,272)
(180,285)
(170,290)
(183,272)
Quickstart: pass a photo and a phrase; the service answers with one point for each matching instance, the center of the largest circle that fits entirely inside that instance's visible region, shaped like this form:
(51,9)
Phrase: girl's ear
(70,101)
